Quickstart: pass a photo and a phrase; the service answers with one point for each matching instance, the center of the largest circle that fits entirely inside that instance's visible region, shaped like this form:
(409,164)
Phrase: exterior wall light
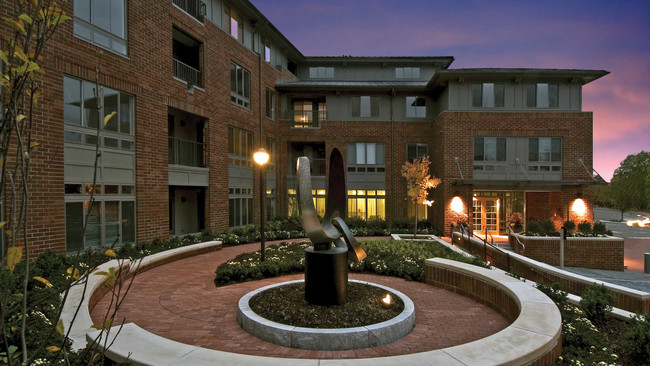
(579,207)
(457,205)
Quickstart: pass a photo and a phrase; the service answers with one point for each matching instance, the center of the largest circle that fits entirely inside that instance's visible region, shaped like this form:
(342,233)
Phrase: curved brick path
(179,301)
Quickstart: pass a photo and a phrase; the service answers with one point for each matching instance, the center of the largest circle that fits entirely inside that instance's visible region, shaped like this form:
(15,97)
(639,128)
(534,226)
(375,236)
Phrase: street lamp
(261,157)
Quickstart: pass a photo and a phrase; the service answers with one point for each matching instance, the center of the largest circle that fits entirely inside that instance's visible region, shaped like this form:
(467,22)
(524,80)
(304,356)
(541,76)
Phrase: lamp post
(261,157)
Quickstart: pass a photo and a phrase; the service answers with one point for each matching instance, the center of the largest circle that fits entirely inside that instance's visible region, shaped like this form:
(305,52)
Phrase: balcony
(186,73)
(185,152)
(306,119)
(195,8)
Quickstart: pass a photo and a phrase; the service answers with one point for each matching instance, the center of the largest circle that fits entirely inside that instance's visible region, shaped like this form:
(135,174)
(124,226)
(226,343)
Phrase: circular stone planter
(326,339)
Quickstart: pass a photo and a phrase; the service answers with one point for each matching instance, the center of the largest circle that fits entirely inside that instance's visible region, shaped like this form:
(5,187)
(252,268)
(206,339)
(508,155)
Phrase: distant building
(197,86)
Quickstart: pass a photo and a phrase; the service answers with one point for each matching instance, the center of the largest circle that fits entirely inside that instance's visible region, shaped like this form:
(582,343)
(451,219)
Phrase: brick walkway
(179,301)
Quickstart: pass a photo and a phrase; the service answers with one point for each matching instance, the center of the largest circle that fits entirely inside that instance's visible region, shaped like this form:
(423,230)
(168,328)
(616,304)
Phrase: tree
(418,183)
(630,185)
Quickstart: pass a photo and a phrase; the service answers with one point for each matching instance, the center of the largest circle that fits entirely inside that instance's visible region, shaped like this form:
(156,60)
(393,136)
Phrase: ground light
(262,157)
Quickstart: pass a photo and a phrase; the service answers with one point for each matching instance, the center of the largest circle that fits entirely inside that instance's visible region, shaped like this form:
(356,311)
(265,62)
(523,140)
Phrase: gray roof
(576,75)
(350,85)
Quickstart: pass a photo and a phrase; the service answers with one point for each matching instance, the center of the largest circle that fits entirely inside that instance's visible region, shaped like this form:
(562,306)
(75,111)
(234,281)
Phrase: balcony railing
(186,73)
(306,119)
(195,8)
(185,152)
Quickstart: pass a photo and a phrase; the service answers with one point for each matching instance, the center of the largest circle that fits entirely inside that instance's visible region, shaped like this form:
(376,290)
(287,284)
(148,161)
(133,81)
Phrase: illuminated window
(488,95)
(240,147)
(318,198)
(422,211)
(367,204)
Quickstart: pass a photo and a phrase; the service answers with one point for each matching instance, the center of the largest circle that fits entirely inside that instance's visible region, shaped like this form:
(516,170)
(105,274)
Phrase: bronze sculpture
(326,263)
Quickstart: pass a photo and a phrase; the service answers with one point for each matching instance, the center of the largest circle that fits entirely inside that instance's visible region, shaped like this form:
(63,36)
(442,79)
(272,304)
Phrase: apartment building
(199,85)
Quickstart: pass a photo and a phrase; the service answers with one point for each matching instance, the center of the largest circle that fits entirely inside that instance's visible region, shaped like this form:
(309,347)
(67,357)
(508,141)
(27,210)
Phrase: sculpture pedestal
(326,276)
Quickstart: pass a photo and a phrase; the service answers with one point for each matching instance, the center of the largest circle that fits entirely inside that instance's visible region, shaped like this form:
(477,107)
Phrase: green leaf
(59,327)
(25,18)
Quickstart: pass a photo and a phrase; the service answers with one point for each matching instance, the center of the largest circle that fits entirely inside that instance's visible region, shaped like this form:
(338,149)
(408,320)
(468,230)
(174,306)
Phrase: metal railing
(306,119)
(511,235)
(185,152)
(186,73)
(195,8)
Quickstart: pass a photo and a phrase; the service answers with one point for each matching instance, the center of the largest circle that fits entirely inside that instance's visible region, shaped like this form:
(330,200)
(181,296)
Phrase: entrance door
(485,215)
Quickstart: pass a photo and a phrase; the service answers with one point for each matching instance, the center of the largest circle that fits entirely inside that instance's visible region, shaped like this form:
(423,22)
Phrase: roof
(574,75)
(350,85)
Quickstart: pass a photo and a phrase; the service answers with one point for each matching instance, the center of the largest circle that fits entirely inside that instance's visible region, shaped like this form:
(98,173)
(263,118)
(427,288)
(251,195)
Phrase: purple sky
(596,34)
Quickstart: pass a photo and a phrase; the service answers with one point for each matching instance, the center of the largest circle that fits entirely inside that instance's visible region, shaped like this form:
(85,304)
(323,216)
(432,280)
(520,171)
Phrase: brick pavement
(179,301)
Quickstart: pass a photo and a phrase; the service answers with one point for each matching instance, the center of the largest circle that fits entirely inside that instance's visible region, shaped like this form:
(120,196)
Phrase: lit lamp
(261,157)
(387,302)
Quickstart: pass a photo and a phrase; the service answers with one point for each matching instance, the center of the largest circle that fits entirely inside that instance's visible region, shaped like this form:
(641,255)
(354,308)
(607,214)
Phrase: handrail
(508,228)
(186,152)
(186,72)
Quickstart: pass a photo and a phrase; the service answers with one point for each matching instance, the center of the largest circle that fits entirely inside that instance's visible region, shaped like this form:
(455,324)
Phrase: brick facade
(147,74)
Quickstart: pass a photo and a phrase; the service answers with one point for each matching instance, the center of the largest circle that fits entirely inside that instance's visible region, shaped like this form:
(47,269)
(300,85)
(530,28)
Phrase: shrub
(570,226)
(547,227)
(555,292)
(533,228)
(516,222)
(636,341)
(597,301)
(584,227)
(600,229)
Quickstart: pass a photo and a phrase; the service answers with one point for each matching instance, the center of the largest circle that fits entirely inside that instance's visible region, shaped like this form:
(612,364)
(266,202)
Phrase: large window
(407,73)
(488,95)
(240,206)
(416,107)
(102,22)
(545,149)
(367,204)
(240,85)
(542,96)
(270,104)
(111,220)
(489,149)
(233,23)
(416,151)
(81,116)
(366,157)
(240,147)
(321,72)
(309,113)
(365,106)
(318,196)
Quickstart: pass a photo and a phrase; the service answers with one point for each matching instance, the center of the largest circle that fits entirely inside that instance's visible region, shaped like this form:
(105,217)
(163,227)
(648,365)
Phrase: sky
(569,34)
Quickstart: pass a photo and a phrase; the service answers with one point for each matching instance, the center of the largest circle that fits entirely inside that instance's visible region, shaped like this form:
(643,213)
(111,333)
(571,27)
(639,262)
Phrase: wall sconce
(579,207)
(457,205)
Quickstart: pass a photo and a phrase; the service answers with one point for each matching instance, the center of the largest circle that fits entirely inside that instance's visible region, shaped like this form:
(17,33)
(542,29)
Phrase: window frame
(417,146)
(242,154)
(353,152)
(270,104)
(486,156)
(416,107)
(535,96)
(359,101)
(241,94)
(554,149)
(488,95)
(90,31)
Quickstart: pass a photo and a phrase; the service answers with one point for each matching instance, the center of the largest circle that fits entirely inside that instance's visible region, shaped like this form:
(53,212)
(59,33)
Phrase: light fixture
(261,157)
(387,301)
(457,205)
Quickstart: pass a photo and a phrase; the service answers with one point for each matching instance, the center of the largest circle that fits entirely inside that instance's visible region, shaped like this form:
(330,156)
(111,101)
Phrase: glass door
(485,215)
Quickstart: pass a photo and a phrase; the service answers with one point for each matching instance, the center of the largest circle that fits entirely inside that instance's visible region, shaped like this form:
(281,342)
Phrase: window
(488,95)
(240,147)
(545,149)
(271,148)
(309,113)
(111,220)
(367,204)
(366,157)
(489,149)
(542,96)
(416,151)
(240,206)
(233,24)
(102,23)
(416,107)
(321,72)
(365,106)
(270,104)
(422,211)
(80,114)
(407,73)
(318,196)
(267,51)
(240,85)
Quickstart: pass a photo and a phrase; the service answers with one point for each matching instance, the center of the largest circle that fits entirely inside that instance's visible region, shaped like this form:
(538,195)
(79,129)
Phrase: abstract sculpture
(326,262)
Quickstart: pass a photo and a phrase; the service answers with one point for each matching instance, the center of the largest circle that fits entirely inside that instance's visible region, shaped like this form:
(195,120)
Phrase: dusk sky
(600,35)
